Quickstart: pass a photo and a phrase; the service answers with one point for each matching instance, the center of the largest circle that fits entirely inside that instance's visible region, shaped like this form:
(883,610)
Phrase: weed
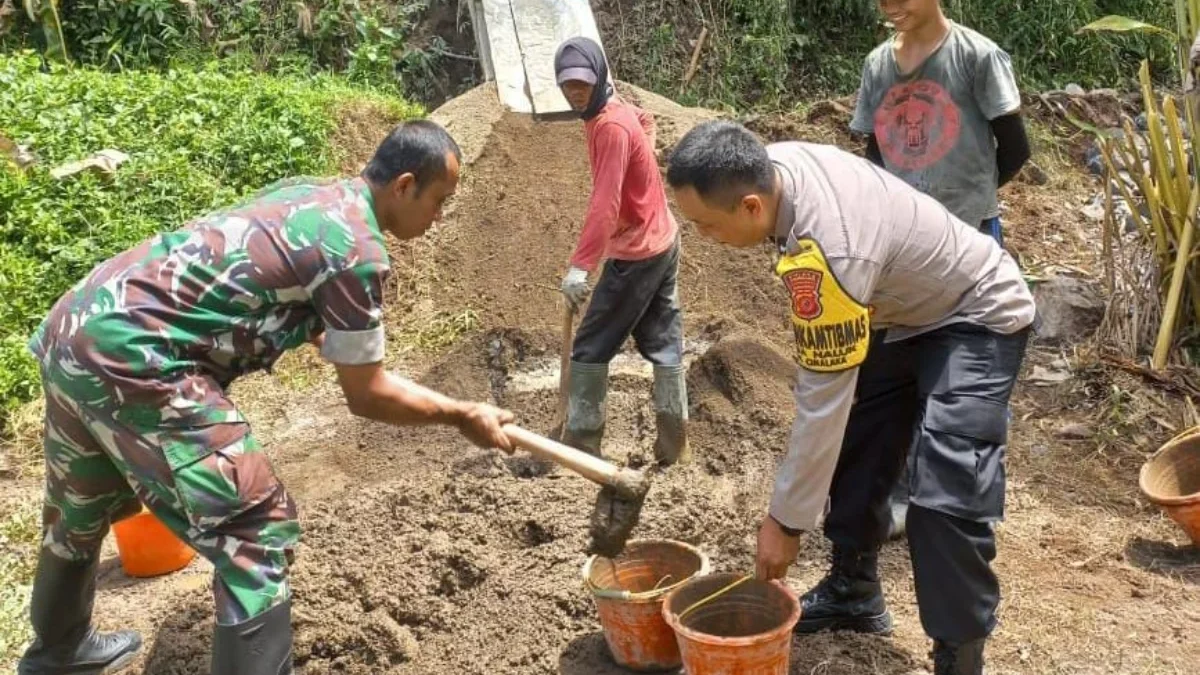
(196,140)
(19,536)
(442,331)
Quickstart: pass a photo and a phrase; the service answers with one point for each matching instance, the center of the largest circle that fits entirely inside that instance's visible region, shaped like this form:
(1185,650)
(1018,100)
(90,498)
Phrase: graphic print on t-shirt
(916,124)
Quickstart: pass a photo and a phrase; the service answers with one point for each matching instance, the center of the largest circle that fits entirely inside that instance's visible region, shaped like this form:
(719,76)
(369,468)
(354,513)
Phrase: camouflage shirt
(228,294)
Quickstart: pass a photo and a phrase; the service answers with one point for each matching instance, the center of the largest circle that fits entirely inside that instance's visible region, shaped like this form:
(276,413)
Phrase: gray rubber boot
(65,641)
(671,415)
(898,508)
(958,659)
(587,389)
(260,646)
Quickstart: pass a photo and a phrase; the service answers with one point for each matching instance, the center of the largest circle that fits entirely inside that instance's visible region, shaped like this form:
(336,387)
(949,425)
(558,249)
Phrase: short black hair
(722,161)
(418,147)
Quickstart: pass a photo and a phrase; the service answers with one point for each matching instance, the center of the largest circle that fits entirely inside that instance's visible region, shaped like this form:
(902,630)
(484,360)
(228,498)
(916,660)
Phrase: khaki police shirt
(861,251)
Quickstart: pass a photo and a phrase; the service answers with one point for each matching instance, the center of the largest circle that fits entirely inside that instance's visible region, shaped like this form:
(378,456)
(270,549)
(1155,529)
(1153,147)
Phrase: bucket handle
(713,596)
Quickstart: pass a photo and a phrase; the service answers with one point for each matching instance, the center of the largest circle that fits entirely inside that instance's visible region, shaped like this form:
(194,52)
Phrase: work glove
(575,287)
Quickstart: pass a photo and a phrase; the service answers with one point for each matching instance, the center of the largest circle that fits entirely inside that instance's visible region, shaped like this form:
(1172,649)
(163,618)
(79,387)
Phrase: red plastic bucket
(745,631)
(148,548)
(629,591)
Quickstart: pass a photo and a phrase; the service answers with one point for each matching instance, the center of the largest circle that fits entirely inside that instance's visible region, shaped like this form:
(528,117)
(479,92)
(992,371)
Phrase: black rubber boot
(260,646)
(958,659)
(848,598)
(65,641)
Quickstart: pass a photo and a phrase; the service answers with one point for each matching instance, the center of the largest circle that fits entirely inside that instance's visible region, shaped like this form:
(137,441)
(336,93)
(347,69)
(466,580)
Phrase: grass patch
(197,140)
(19,534)
(442,331)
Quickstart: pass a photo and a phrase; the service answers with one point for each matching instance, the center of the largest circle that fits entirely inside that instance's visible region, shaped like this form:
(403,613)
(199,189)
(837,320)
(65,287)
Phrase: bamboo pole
(1166,330)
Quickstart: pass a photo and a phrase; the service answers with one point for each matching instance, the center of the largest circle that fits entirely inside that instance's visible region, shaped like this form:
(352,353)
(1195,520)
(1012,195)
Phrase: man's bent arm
(376,394)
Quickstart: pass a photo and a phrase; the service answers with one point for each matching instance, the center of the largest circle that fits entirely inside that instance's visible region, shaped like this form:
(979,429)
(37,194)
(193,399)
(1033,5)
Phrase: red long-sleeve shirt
(627,217)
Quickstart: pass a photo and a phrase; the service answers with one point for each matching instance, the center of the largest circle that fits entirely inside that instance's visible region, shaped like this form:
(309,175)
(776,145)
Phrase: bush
(370,41)
(196,140)
(763,54)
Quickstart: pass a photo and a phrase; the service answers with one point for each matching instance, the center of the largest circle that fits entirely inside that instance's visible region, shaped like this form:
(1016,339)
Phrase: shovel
(564,372)
(621,495)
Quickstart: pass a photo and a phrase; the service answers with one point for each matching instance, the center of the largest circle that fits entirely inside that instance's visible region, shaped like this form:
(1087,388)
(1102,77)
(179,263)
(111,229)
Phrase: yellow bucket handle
(714,596)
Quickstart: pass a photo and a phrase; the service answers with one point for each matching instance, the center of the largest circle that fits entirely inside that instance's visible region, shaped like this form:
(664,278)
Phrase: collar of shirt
(785,217)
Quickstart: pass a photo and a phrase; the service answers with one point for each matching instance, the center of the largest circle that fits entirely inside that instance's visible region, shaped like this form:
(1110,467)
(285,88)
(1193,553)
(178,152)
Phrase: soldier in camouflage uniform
(135,361)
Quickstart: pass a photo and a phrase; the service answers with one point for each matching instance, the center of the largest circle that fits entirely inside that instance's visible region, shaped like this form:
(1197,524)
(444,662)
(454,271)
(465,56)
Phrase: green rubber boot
(587,389)
(671,415)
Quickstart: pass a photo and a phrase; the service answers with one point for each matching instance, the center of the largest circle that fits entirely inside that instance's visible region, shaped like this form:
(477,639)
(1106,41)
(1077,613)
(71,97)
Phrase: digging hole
(535,534)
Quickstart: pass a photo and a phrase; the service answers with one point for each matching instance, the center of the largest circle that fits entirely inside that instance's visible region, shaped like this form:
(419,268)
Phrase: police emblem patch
(805,288)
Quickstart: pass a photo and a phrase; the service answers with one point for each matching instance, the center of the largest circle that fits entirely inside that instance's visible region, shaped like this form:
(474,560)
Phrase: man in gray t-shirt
(948,124)
(940,106)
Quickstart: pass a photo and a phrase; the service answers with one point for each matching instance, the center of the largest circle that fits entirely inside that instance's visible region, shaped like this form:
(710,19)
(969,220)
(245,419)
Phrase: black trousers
(638,298)
(937,402)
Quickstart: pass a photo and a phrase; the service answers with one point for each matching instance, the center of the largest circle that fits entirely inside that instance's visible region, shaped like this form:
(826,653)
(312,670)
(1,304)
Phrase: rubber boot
(671,415)
(958,659)
(849,598)
(65,642)
(898,508)
(260,646)
(587,389)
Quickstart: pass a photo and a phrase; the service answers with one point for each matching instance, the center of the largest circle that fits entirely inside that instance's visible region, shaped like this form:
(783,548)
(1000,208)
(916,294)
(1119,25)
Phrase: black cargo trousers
(937,401)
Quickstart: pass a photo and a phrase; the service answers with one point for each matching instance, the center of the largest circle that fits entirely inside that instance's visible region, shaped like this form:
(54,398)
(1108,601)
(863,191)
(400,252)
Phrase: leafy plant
(1162,170)
(196,140)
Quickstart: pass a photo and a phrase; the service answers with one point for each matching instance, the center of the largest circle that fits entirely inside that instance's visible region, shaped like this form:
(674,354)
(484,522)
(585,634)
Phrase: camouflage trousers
(211,484)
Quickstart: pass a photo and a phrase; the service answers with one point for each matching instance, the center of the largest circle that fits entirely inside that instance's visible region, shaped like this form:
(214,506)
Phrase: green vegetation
(196,140)
(370,42)
(770,53)
(1163,170)
(19,535)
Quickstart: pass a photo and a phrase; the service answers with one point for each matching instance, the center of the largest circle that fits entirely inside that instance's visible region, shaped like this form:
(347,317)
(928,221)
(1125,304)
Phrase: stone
(1034,175)
(1074,90)
(1069,309)
(1094,211)
(1074,431)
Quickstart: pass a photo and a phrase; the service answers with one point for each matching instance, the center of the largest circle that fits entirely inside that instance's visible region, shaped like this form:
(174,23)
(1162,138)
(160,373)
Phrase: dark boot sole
(123,661)
(880,624)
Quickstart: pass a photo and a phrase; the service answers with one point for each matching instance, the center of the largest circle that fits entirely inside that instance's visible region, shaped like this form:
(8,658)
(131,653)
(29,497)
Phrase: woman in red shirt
(627,223)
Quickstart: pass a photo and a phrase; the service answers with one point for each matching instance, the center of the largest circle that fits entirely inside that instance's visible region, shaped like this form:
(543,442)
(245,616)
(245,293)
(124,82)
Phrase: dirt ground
(424,555)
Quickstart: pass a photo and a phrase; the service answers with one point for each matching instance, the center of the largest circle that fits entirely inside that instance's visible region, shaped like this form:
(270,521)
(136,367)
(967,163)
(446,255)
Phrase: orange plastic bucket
(746,630)
(629,591)
(1171,480)
(148,548)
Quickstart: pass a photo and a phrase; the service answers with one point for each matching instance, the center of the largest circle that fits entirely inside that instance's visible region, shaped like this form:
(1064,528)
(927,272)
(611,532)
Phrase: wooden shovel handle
(589,466)
(568,339)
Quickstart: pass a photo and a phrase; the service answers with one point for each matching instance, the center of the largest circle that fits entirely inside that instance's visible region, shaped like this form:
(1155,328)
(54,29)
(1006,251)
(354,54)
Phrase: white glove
(575,287)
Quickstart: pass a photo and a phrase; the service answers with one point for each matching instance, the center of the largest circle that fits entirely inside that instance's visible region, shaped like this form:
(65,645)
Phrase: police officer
(135,361)
(860,250)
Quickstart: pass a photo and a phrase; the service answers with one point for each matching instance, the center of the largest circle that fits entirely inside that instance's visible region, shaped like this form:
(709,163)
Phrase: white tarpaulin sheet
(517,46)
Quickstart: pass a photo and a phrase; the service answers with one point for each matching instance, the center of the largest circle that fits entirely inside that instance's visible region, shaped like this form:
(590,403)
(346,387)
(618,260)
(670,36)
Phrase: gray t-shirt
(933,125)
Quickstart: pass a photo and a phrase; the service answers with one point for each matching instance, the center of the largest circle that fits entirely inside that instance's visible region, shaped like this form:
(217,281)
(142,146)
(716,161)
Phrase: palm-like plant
(1161,170)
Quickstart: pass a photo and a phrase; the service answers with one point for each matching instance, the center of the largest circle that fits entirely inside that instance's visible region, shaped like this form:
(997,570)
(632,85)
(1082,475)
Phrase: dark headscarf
(580,58)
